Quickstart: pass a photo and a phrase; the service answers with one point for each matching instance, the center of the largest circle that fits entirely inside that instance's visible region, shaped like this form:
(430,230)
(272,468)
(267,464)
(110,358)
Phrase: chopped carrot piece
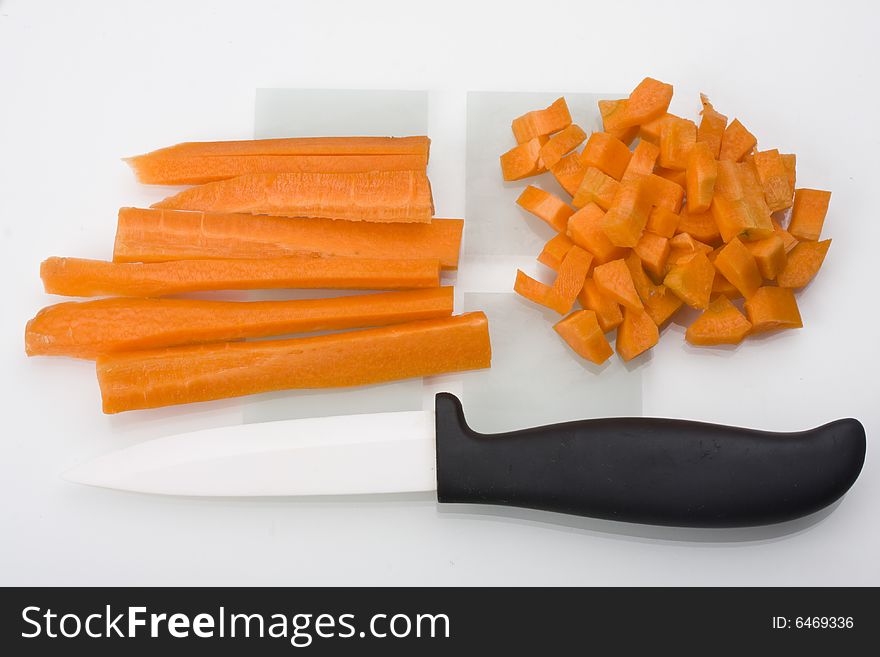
(607,309)
(554,251)
(571,276)
(738,206)
(773,175)
(583,334)
(522,160)
(653,251)
(772,308)
(662,222)
(628,214)
(569,173)
(561,143)
(612,111)
(738,266)
(736,142)
(418,145)
(803,264)
(691,280)
(663,192)
(614,280)
(606,153)
(677,137)
(658,302)
(808,214)
(720,323)
(722,286)
(549,208)
(700,225)
(712,125)
(769,254)
(789,240)
(636,334)
(380,196)
(76,277)
(89,328)
(179,375)
(538,292)
(647,101)
(683,246)
(702,170)
(585,229)
(789,160)
(596,187)
(539,123)
(644,157)
(679,177)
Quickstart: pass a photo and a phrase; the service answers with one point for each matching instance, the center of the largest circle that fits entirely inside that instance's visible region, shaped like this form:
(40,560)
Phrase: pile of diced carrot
(693,215)
(323,213)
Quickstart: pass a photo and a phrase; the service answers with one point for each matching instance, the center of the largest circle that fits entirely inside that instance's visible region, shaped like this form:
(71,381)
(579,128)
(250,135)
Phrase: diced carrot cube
(522,161)
(739,267)
(554,251)
(673,175)
(642,162)
(606,153)
(561,143)
(691,280)
(663,192)
(614,280)
(702,170)
(700,225)
(583,334)
(659,303)
(772,308)
(585,230)
(546,206)
(571,276)
(769,254)
(628,214)
(789,240)
(662,222)
(720,323)
(803,264)
(539,123)
(677,137)
(596,187)
(636,334)
(613,112)
(774,178)
(738,205)
(808,214)
(650,130)
(712,125)
(607,309)
(737,142)
(683,246)
(568,173)
(789,160)
(647,101)
(653,251)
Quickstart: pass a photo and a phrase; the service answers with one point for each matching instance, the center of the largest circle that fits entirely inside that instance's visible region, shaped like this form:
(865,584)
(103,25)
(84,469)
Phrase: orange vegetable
(720,323)
(736,142)
(738,206)
(702,170)
(606,153)
(658,302)
(712,125)
(769,254)
(649,100)
(642,162)
(699,225)
(596,187)
(607,309)
(803,264)
(561,143)
(162,235)
(663,193)
(522,161)
(738,266)
(663,222)
(636,334)
(87,329)
(585,229)
(569,173)
(679,177)
(691,280)
(650,130)
(788,239)
(380,196)
(774,178)
(547,207)
(615,281)
(722,286)
(539,123)
(653,251)
(677,137)
(571,276)
(628,215)
(538,292)
(554,251)
(772,308)
(683,246)
(611,111)
(75,277)
(808,214)
(180,375)
(789,160)
(582,333)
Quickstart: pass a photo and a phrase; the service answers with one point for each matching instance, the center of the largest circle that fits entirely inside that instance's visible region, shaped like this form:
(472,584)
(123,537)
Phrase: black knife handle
(649,470)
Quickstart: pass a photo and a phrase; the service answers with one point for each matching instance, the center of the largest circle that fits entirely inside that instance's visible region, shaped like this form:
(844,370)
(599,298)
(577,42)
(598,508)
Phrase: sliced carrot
(606,153)
(774,178)
(720,323)
(659,303)
(662,192)
(722,286)
(662,222)
(647,101)
(581,331)
(808,213)
(380,196)
(642,162)
(650,130)
(89,328)
(161,235)
(571,276)
(769,254)
(712,125)
(736,142)
(522,161)
(738,206)
(417,145)
(789,240)
(653,251)
(691,280)
(180,375)
(561,143)
(596,187)
(569,172)
(614,280)
(585,229)
(76,277)
(607,310)
(628,215)
(636,334)
(789,160)
(738,266)
(554,251)
(539,123)
(702,171)
(803,263)
(700,225)
(772,308)
(683,246)
(548,207)
(611,110)
(536,292)
(677,137)
(679,177)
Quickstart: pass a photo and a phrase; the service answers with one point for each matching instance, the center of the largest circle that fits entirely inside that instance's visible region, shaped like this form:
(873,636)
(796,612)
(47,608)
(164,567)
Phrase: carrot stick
(180,375)
(162,235)
(418,145)
(380,196)
(76,277)
(89,328)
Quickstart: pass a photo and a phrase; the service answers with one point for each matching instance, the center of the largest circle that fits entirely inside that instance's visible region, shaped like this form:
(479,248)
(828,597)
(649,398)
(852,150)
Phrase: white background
(84,83)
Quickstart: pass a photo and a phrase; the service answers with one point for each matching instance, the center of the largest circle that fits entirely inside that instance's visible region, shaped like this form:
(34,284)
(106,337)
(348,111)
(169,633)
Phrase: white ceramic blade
(340,455)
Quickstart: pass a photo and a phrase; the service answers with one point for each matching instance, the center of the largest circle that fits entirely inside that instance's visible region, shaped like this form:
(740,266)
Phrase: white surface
(84,83)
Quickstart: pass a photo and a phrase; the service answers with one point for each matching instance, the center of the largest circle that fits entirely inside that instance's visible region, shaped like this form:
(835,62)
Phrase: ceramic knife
(645,470)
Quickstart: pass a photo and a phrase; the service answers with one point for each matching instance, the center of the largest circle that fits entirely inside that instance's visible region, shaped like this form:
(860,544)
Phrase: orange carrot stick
(418,145)
(380,196)
(76,277)
(161,235)
(180,375)
(89,328)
